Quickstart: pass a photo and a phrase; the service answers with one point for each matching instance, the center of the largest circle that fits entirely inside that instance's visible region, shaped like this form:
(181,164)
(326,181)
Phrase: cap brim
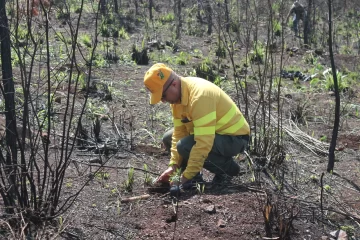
(155,97)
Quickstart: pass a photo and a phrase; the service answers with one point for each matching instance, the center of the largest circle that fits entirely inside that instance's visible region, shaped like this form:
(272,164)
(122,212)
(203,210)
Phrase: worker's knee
(167,137)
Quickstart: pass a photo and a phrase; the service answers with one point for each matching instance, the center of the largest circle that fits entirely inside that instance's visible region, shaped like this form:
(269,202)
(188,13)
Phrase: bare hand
(165,176)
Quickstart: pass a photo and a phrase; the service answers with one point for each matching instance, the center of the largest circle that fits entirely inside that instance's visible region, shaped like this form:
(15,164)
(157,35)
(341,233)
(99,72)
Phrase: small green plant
(21,32)
(102,175)
(277,27)
(99,61)
(346,50)
(148,180)
(175,176)
(15,61)
(114,191)
(343,83)
(310,58)
(220,51)
(105,30)
(183,58)
(314,178)
(86,40)
(258,52)
(323,138)
(123,33)
(197,53)
(206,70)
(167,18)
(327,188)
(129,182)
(349,230)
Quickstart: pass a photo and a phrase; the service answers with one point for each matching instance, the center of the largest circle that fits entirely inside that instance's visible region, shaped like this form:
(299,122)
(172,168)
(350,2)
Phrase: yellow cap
(154,80)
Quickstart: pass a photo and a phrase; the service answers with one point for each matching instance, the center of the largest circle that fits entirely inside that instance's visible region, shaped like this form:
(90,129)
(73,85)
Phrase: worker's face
(171,92)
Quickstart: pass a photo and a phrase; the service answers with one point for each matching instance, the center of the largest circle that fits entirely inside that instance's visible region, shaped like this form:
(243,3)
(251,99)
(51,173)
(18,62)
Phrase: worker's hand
(165,176)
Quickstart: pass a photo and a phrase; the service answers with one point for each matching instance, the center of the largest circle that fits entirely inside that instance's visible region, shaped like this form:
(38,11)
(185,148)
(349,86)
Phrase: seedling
(128,184)
(323,138)
(349,230)
(148,179)
(102,175)
(314,178)
(183,58)
(175,176)
(327,188)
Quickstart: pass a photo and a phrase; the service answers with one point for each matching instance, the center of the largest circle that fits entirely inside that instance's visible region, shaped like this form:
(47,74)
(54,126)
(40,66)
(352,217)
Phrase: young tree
(8,162)
(177,13)
(307,27)
(31,173)
(332,147)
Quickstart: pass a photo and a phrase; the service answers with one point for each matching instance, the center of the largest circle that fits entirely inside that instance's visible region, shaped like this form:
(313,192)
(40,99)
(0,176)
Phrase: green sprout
(175,176)
(128,184)
(148,179)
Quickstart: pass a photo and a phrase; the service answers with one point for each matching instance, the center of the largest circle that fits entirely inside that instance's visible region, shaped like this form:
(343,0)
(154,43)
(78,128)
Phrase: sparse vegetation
(75,115)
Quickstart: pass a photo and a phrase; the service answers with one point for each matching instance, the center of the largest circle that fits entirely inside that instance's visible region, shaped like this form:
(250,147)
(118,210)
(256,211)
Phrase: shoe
(221,180)
(198,179)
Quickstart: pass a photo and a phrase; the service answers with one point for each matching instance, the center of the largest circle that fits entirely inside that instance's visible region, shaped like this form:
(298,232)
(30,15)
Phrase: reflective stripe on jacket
(205,109)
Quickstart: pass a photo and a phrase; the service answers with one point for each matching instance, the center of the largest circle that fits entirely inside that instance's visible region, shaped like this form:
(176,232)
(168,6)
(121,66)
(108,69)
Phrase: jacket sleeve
(203,112)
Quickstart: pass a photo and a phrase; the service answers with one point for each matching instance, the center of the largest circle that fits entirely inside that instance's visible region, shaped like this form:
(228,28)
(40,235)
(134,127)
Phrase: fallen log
(135,198)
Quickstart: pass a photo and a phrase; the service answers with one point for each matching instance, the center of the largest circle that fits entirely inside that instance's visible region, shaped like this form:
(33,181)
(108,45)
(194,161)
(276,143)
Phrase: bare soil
(290,198)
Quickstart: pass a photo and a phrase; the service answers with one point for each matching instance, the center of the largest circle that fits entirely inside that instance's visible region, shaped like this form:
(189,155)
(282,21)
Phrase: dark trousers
(220,159)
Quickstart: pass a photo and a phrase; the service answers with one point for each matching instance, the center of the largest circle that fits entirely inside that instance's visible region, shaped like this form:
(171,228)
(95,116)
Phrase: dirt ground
(299,197)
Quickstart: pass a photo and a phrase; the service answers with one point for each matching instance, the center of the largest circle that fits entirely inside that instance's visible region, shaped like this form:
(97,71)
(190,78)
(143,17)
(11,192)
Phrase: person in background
(209,129)
(299,13)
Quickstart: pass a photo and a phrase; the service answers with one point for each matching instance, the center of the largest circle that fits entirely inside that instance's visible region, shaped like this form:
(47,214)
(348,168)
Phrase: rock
(210,209)
(331,94)
(95,160)
(206,200)
(221,223)
(339,235)
(294,49)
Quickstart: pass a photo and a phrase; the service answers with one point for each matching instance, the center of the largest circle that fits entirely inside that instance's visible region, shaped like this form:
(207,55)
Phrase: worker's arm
(203,112)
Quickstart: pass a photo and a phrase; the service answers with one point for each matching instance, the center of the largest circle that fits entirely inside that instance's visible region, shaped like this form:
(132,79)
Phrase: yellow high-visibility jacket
(205,109)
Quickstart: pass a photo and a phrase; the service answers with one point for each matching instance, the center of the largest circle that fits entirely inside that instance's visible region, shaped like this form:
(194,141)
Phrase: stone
(339,235)
(210,209)
(221,223)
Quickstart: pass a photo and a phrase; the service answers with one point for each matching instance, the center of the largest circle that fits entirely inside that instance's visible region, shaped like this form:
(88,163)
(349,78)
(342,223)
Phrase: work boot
(221,180)
(198,179)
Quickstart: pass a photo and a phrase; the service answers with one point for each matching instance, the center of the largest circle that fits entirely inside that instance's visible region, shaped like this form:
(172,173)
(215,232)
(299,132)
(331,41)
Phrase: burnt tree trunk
(150,9)
(307,27)
(227,18)
(208,11)
(331,161)
(177,12)
(103,7)
(116,6)
(10,161)
(136,7)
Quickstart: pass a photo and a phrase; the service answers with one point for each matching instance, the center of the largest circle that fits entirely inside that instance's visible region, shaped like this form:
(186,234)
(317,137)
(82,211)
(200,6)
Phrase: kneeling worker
(209,128)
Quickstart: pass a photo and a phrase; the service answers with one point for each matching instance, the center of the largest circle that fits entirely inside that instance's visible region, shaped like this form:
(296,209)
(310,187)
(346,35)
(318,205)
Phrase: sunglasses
(163,96)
